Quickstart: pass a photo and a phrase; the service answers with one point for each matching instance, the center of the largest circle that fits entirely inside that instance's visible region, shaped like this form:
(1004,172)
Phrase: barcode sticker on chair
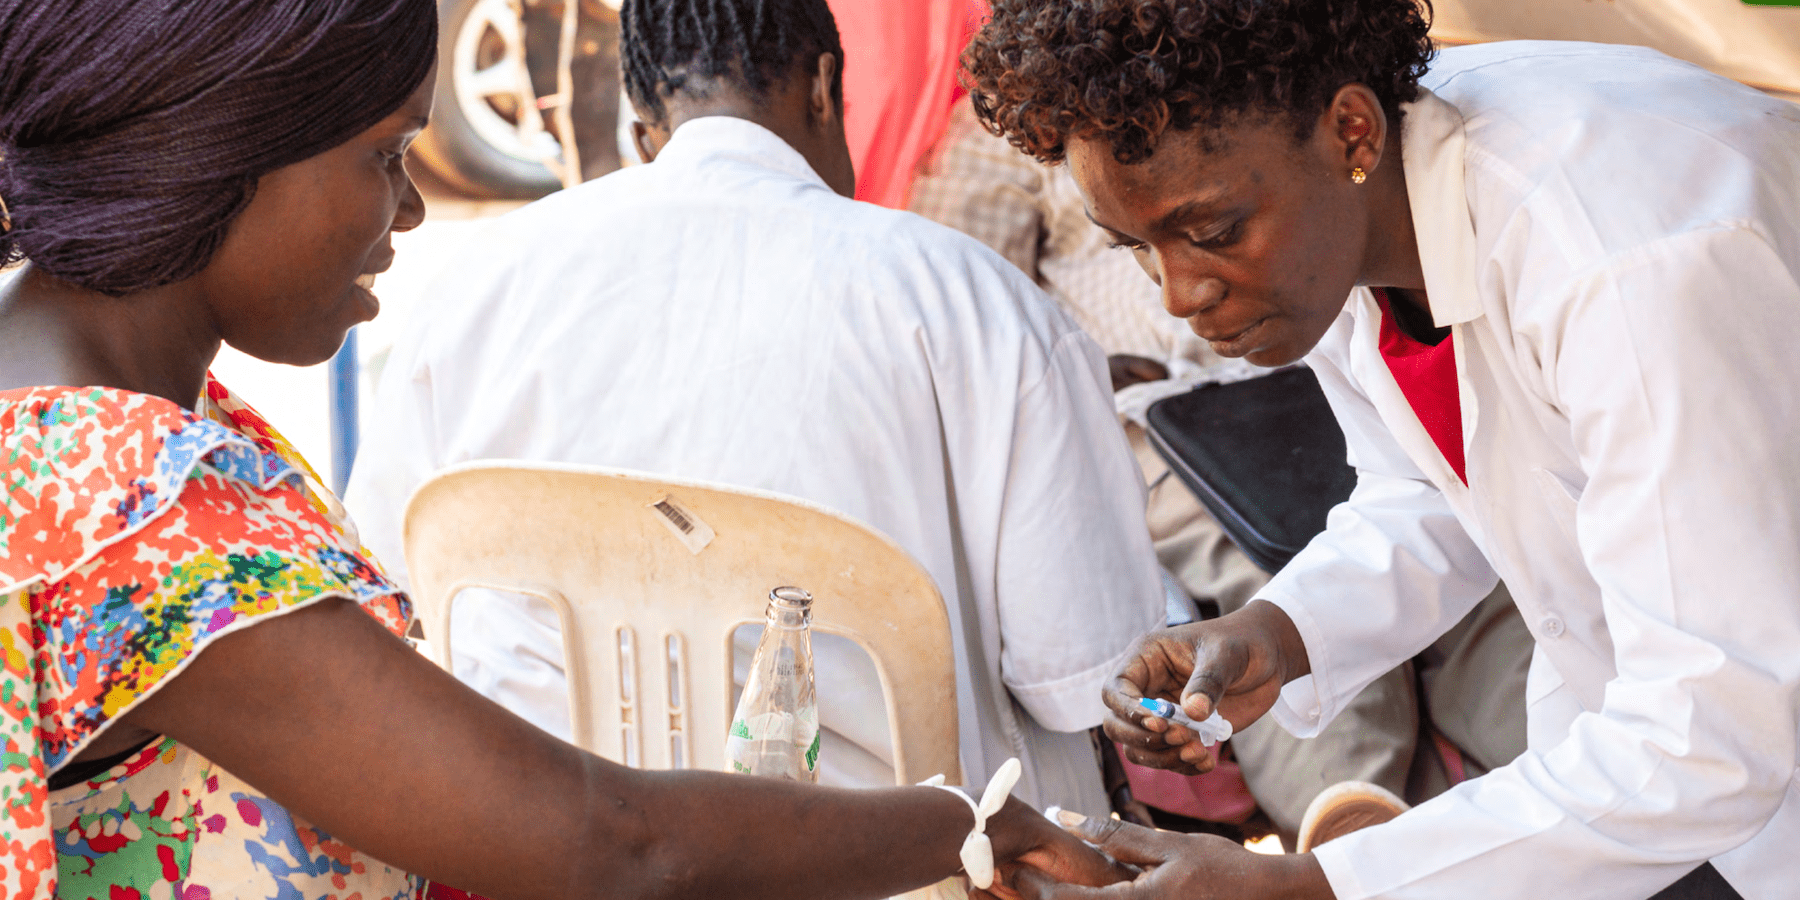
(681,522)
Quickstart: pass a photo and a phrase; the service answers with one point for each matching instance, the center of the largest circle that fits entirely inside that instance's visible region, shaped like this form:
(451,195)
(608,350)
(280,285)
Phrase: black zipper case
(1265,456)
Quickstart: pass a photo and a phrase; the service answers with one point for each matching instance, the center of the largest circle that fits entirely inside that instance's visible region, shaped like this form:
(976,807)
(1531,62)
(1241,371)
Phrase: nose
(1186,294)
(411,213)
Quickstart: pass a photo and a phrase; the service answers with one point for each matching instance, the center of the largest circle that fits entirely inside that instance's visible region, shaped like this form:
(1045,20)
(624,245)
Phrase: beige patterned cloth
(1033,215)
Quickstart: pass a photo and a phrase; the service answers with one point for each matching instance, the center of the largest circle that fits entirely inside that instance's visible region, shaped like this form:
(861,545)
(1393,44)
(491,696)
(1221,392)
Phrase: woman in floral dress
(180,175)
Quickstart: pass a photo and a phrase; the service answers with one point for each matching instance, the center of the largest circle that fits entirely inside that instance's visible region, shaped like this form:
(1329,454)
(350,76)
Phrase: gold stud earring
(1358,176)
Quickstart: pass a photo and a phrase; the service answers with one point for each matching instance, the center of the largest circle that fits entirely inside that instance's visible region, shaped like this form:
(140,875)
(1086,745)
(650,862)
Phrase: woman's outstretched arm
(352,730)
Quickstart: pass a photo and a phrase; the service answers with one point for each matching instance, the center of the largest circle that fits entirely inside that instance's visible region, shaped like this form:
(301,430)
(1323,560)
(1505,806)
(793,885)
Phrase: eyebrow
(1090,217)
(1187,211)
(1170,219)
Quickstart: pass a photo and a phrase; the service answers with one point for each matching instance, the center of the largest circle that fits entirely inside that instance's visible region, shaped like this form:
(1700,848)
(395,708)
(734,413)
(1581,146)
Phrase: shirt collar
(1432,145)
(734,138)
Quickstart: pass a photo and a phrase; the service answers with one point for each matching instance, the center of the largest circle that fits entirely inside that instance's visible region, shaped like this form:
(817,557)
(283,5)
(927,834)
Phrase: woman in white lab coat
(1565,360)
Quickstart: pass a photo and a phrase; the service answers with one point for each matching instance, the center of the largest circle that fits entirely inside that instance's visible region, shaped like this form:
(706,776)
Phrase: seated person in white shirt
(726,313)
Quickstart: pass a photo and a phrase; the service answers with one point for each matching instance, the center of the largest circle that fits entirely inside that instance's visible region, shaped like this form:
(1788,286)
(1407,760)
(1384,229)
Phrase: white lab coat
(1613,238)
(721,314)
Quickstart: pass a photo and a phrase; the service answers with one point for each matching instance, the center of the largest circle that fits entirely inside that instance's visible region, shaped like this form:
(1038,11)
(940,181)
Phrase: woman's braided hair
(1044,71)
(754,43)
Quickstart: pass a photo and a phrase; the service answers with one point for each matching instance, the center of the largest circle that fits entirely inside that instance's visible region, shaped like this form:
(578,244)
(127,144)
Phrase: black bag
(1265,456)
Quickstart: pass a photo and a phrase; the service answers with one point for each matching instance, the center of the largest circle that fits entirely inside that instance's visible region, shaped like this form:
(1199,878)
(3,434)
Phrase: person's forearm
(705,834)
(352,730)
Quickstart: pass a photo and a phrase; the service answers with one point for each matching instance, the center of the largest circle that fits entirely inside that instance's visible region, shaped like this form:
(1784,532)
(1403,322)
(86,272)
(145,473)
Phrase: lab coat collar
(729,137)
(1432,145)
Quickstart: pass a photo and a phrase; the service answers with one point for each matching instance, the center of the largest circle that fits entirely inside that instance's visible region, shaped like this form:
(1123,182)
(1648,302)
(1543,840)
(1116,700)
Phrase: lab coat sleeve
(1392,571)
(1076,577)
(1673,365)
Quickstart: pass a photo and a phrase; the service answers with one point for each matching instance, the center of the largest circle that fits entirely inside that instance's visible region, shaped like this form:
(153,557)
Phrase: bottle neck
(789,616)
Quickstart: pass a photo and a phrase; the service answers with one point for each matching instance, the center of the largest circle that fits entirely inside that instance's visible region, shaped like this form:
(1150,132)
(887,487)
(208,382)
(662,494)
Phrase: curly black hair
(1043,71)
(753,43)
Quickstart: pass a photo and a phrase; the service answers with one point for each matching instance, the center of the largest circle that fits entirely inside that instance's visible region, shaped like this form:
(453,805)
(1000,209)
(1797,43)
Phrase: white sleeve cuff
(1071,703)
(1305,705)
(1334,859)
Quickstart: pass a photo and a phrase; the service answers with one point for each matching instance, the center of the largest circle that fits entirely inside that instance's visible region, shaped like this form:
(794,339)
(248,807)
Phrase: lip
(1237,343)
(370,305)
(386,263)
(364,286)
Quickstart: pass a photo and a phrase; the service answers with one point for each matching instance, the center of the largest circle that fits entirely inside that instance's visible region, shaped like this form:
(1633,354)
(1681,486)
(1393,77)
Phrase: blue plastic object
(345,427)
(1215,729)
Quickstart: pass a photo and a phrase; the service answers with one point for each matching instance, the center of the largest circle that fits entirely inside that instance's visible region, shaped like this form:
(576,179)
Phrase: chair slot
(629,746)
(678,717)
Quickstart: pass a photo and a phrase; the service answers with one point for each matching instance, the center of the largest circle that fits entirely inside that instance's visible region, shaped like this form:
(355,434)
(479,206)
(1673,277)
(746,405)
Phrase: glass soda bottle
(775,730)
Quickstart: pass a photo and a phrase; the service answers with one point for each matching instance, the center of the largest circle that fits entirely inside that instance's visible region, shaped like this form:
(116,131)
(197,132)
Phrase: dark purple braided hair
(132,132)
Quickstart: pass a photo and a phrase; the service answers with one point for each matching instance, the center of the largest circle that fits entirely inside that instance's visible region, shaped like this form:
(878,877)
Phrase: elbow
(1766,788)
(625,849)
(652,871)
(1728,798)
(1721,827)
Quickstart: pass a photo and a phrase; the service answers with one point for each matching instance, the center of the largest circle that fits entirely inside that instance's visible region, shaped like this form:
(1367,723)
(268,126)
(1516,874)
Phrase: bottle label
(775,743)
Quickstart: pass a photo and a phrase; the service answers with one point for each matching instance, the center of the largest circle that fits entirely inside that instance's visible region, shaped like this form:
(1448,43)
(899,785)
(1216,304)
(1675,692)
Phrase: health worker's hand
(1182,867)
(1237,663)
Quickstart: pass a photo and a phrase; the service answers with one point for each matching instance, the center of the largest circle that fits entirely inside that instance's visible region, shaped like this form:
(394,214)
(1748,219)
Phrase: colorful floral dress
(133,533)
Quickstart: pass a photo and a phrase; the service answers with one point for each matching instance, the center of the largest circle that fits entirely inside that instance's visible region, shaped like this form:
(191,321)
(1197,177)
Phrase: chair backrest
(650,576)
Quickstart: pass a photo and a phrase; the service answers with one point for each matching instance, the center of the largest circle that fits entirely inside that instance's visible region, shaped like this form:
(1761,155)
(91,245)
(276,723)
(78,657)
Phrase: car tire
(473,145)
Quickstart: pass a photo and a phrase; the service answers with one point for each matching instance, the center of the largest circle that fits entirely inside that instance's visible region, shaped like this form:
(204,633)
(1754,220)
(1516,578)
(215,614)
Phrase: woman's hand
(1181,867)
(1024,838)
(1128,370)
(1236,663)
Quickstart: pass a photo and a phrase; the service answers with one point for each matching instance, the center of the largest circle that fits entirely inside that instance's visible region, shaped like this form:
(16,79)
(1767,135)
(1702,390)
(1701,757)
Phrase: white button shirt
(721,314)
(1613,237)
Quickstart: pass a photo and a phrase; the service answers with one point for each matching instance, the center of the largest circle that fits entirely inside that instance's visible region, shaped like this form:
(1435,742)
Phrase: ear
(1354,129)
(646,145)
(822,103)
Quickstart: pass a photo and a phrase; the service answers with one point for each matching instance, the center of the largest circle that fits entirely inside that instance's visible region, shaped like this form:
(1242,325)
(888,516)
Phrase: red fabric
(1216,796)
(435,891)
(1454,770)
(899,85)
(1427,376)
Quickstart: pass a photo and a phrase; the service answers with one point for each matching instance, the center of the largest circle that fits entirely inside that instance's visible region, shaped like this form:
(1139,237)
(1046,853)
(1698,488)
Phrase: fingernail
(1069,818)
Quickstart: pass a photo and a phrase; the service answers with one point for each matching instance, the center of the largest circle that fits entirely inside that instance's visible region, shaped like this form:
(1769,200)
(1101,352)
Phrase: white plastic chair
(650,576)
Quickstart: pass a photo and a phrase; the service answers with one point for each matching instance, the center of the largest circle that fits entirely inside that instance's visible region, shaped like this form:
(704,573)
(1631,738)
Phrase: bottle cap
(791,596)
